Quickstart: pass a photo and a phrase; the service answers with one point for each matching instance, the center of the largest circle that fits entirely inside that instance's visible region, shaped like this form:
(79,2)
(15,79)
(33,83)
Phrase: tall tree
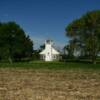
(13,42)
(87,32)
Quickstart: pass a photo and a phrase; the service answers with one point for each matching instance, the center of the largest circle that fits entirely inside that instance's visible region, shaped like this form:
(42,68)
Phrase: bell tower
(48,47)
(48,43)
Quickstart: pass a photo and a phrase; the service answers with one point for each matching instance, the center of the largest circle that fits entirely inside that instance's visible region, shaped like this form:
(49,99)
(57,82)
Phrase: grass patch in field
(50,65)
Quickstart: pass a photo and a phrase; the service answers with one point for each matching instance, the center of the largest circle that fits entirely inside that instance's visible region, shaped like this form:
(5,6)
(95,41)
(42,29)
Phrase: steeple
(48,42)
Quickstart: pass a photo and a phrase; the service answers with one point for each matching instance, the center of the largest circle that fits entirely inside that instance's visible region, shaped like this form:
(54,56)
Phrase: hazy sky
(43,19)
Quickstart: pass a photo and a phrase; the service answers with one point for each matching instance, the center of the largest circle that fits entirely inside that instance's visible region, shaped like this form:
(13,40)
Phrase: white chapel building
(49,53)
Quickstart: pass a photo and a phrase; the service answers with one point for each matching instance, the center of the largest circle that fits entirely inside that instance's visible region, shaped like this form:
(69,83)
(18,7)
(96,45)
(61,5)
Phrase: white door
(48,57)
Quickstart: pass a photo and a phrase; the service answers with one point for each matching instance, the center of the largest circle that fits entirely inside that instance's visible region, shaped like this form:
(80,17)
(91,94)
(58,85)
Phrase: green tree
(13,42)
(87,32)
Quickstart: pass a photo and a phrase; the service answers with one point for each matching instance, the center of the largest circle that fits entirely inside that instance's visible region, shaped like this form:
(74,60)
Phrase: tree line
(83,34)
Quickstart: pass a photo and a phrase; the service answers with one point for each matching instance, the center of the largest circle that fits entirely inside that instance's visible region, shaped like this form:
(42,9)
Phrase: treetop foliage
(14,44)
(86,30)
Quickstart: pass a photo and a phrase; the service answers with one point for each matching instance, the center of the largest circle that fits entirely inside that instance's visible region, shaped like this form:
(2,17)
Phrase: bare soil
(29,84)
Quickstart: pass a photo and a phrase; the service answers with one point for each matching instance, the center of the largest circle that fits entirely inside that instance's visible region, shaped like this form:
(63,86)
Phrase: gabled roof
(54,51)
(43,52)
